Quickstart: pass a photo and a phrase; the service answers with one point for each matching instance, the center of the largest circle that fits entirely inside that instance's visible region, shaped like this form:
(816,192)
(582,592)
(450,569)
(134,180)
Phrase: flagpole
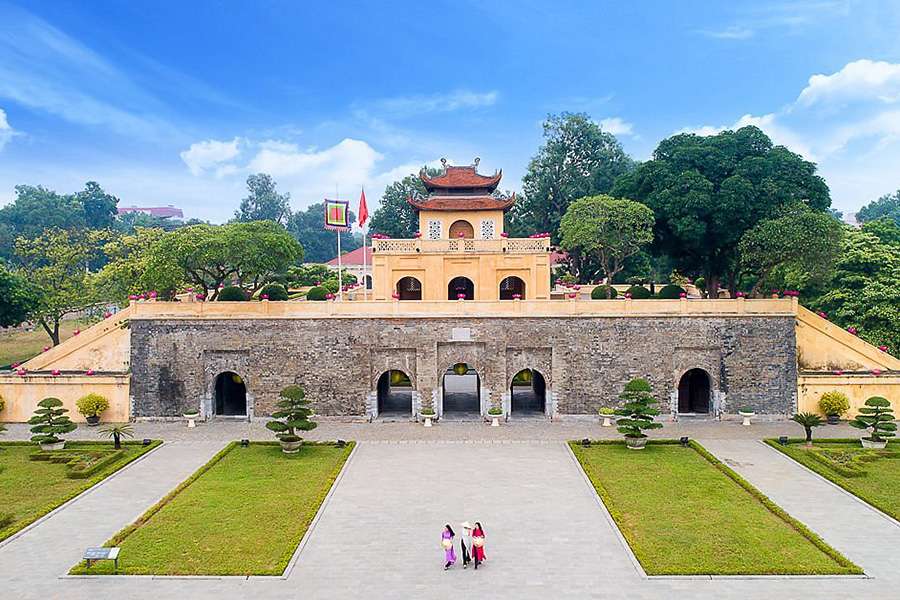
(340,268)
(365,270)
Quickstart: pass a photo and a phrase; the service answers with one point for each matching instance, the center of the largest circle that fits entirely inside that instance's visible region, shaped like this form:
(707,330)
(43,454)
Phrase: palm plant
(807,420)
(117,431)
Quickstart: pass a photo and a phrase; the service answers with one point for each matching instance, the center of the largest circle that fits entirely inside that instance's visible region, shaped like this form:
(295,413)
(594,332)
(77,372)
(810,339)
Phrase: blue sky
(175,103)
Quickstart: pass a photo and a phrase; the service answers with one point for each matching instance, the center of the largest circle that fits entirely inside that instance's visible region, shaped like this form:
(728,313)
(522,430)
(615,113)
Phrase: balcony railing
(508,245)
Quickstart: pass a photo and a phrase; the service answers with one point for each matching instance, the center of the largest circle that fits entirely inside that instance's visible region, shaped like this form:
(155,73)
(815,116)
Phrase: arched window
(461,227)
(231,394)
(693,392)
(460,288)
(409,288)
(368,280)
(511,288)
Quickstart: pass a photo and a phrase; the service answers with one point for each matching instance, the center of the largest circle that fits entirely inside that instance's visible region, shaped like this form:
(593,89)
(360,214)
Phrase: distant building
(163,212)
(352,262)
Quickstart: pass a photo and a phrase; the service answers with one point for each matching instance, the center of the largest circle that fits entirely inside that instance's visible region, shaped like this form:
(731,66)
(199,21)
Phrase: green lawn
(17,345)
(685,513)
(243,513)
(30,489)
(871,475)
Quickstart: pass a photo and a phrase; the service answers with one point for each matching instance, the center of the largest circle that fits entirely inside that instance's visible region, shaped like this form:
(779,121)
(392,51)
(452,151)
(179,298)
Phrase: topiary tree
(637,412)
(50,421)
(317,294)
(603,292)
(275,292)
(639,292)
(833,404)
(293,413)
(670,292)
(877,416)
(231,293)
(92,405)
(808,421)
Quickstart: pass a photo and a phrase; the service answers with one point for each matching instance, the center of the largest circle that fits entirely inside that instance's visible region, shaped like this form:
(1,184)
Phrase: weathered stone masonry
(585,360)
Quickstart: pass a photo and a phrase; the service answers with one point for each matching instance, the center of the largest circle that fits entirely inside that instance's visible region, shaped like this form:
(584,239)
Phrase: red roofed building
(352,262)
(163,212)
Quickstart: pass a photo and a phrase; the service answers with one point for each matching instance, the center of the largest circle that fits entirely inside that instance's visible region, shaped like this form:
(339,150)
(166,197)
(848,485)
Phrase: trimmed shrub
(92,405)
(599,292)
(834,403)
(700,282)
(877,416)
(231,293)
(2,403)
(637,412)
(639,292)
(670,292)
(50,421)
(275,291)
(317,294)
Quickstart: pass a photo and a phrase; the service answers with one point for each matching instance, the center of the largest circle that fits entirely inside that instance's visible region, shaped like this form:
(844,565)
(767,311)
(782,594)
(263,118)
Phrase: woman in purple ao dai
(447,544)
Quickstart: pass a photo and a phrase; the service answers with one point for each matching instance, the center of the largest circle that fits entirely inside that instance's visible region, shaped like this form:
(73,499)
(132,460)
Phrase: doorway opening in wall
(409,288)
(462,393)
(528,394)
(368,280)
(694,392)
(460,288)
(231,395)
(512,288)
(394,394)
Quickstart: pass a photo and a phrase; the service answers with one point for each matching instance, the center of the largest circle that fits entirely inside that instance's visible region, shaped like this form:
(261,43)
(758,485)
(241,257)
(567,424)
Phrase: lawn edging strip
(824,473)
(611,512)
(65,501)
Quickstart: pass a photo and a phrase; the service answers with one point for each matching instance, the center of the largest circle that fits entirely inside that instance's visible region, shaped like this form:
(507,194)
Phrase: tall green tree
(886,206)
(707,192)
(56,264)
(577,159)
(17,298)
(800,238)
(395,216)
(606,231)
(99,208)
(131,268)
(263,203)
(319,244)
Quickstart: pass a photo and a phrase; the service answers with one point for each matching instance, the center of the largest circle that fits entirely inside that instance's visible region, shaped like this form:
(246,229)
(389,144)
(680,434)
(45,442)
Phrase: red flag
(363,209)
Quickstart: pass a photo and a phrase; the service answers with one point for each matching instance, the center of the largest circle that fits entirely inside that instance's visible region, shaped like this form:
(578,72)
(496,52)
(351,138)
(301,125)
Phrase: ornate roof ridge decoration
(458,202)
(466,177)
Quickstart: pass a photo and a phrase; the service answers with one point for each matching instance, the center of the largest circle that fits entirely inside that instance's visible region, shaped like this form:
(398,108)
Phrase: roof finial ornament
(477,160)
(444,163)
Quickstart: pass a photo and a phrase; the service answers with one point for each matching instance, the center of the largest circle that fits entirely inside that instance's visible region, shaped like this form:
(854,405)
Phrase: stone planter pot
(635,443)
(833,419)
(872,444)
(191,418)
(746,416)
(495,420)
(428,418)
(291,447)
(92,420)
(607,421)
(54,446)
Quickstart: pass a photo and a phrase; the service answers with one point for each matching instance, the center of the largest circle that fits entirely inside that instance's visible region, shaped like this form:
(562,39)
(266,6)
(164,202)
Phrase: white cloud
(406,106)
(859,80)
(210,154)
(6,131)
(732,32)
(617,126)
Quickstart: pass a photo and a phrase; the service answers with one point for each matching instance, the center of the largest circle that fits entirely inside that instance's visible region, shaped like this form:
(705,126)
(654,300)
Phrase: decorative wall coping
(738,307)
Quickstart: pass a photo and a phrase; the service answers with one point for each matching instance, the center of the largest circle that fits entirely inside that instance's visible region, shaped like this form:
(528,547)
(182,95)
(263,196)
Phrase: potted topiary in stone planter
(293,414)
(427,414)
(606,414)
(50,421)
(91,407)
(637,413)
(746,413)
(877,416)
(834,404)
(495,412)
(191,416)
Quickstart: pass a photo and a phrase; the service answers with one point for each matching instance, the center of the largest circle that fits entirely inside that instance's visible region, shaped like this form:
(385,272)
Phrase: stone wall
(584,360)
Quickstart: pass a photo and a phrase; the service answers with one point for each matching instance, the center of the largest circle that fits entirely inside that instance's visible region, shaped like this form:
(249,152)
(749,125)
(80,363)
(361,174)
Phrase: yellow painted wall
(105,346)
(824,346)
(22,395)
(857,387)
(448,217)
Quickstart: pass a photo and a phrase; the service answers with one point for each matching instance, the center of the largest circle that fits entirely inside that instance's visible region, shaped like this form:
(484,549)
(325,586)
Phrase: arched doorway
(461,229)
(693,392)
(231,395)
(409,288)
(528,393)
(510,287)
(460,285)
(461,389)
(368,280)
(394,393)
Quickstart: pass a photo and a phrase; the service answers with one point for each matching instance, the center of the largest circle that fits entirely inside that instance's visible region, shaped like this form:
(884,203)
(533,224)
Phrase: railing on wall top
(509,245)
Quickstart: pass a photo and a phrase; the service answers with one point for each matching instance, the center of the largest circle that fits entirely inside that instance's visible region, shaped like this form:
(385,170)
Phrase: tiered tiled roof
(461,188)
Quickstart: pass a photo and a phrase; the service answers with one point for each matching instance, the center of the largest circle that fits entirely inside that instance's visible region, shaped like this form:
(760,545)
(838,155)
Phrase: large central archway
(394,394)
(528,393)
(461,390)
(409,288)
(460,286)
(231,395)
(693,392)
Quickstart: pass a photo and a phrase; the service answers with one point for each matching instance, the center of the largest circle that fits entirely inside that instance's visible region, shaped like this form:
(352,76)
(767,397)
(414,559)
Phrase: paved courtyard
(377,537)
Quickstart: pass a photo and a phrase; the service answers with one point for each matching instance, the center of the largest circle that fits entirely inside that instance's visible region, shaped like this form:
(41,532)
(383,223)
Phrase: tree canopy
(707,192)
(886,206)
(263,203)
(577,159)
(320,244)
(17,298)
(395,217)
(606,231)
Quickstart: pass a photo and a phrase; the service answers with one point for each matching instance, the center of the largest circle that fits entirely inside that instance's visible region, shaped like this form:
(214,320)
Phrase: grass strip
(30,489)
(242,513)
(683,512)
(878,486)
